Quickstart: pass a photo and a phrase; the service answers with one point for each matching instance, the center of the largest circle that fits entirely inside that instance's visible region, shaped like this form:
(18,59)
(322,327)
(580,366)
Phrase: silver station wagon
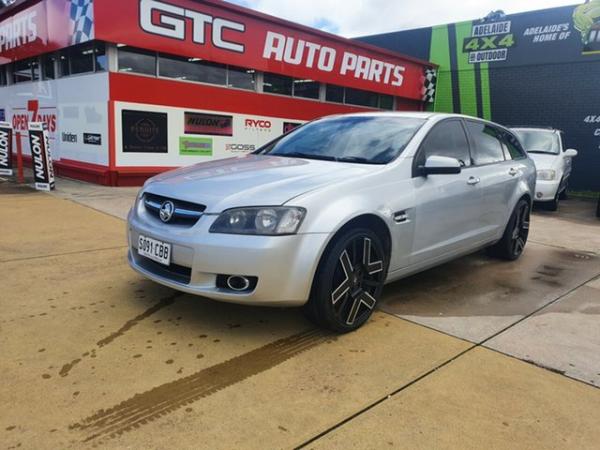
(324,216)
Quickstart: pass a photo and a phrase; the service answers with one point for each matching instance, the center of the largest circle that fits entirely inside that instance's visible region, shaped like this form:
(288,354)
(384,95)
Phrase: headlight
(270,221)
(546,175)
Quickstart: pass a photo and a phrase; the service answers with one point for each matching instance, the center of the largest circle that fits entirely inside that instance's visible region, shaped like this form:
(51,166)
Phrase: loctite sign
(43,170)
(223,33)
(44,27)
(6,149)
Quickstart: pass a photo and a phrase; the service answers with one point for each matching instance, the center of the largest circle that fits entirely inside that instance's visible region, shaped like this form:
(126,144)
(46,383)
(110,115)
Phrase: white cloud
(361,17)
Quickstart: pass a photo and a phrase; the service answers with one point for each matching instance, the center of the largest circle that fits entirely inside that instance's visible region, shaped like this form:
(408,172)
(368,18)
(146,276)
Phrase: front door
(448,206)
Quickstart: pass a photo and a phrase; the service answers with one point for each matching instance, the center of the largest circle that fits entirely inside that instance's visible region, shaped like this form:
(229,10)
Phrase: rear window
(487,143)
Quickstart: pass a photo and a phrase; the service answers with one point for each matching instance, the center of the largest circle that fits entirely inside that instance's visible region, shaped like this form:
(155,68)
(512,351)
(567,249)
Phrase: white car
(553,162)
(326,214)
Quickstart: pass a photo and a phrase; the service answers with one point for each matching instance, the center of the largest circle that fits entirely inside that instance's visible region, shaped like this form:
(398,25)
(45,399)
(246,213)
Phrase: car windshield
(357,139)
(539,141)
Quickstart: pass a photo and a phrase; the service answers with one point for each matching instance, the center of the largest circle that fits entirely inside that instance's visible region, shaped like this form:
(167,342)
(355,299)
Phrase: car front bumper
(545,191)
(284,265)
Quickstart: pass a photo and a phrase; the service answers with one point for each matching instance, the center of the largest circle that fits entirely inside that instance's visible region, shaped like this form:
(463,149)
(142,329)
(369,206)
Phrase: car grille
(185,213)
(173,272)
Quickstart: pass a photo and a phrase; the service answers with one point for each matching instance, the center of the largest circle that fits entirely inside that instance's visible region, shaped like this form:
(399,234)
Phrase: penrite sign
(43,171)
(6,133)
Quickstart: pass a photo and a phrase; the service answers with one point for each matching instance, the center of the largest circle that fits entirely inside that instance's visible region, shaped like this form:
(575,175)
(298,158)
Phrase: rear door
(498,176)
(447,211)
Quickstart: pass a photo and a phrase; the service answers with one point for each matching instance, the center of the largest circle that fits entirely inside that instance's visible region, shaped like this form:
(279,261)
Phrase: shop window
(192,69)
(63,63)
(306,89)
(81,58)
(137,60)
(241,78)
(278,84)
(100,59)
(48,71)
(3,76)
(24,71)
(362,98)
(334,93)
(386,102)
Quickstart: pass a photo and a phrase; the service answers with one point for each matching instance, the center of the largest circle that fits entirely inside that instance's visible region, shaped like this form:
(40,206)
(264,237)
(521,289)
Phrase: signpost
(43,171)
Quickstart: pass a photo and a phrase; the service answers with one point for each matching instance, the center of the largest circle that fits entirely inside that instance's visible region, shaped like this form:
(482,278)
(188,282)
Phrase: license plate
(155,250)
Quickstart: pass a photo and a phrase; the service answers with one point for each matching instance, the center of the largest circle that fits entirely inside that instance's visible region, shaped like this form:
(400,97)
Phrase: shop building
(539,68)
(129,89)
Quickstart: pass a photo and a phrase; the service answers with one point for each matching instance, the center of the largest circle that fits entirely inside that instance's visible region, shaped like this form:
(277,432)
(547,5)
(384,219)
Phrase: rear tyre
(349,281)
(514,239)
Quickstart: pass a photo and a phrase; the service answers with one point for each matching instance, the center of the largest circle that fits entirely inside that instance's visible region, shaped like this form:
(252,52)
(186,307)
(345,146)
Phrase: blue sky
(359,17)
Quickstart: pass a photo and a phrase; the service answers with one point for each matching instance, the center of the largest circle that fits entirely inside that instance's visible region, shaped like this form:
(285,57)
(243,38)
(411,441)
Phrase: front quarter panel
(381,195)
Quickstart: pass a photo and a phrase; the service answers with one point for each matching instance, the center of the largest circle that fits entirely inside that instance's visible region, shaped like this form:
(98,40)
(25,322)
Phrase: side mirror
(440,165)
(571,153)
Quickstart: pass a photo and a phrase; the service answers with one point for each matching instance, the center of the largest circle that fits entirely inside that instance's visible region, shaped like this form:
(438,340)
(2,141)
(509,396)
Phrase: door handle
(513,172)
(472,181)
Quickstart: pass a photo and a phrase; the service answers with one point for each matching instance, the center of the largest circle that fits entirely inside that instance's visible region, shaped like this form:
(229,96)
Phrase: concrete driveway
(475,354)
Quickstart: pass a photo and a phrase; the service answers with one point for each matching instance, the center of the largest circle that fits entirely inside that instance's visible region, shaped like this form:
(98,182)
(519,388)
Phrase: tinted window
(306,89)
(101,61)
(48,66)
(487,145)
(22,71)
(446,139)
(241,78)
(334,93)
(386,101)
(192,69)
(137,60)
(82,59)
(277,84)
(513,148)
(357,139)
(362,98)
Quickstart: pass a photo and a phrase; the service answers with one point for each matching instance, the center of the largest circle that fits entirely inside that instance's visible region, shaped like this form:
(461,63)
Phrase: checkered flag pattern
(429,83)
(82,15)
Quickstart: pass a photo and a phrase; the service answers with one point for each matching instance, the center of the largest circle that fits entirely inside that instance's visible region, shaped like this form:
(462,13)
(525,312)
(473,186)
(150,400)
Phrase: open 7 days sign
(43,171)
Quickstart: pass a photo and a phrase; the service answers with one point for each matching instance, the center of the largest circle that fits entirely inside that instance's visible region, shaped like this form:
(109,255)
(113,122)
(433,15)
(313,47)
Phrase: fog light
(539,195)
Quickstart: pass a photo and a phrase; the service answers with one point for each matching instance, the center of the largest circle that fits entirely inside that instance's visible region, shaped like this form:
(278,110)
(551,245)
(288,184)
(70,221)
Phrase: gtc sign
(171,21)
(224,33)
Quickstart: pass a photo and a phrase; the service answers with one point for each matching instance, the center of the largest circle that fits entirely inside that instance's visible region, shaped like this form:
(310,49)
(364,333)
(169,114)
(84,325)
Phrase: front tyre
(512,244)
(349,281)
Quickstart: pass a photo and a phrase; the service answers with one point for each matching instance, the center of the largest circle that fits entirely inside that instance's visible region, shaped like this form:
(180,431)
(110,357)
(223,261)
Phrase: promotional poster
(6,143)
(43,170)
(538,68)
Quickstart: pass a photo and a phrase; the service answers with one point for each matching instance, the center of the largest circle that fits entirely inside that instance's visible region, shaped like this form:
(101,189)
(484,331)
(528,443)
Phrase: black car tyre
(514,239)
(349,281)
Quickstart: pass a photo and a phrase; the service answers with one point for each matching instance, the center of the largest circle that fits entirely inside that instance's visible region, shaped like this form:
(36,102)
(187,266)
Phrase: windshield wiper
(358,159)
(305,155)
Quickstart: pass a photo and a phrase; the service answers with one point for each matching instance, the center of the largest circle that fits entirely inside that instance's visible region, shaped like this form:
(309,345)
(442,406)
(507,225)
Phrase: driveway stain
(162,303)
(148,406)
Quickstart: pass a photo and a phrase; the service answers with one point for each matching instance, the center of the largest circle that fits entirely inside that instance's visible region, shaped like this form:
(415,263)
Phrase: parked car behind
(325,215)
(553,161)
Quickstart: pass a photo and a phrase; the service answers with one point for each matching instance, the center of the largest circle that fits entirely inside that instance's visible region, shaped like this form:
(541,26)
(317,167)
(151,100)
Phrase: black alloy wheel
(349,281)
(520,229)
(514,239)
